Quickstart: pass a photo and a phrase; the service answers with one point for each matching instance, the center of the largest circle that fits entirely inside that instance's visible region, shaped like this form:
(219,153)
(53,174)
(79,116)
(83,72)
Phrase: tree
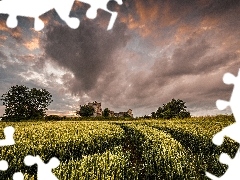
(159,112)
(153,114)
(24,103)
(85,111)
(106,112)
(174,108)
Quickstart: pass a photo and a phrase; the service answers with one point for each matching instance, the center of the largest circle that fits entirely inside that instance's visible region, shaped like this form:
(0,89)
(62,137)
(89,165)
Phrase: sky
(157,50)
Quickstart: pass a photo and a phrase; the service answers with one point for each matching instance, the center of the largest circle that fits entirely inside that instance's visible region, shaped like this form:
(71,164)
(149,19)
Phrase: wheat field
(137,149)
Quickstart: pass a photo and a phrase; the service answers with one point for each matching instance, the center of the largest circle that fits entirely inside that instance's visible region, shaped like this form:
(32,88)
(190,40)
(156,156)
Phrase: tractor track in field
(129,144)
(70,151)
(132,143)
(204,152)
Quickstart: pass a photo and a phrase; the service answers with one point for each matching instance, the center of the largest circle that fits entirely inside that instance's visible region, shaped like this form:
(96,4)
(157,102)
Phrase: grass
(139,149)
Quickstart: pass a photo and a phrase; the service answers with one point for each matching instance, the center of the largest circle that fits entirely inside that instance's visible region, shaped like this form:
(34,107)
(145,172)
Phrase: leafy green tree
(153,115)
(159,112)
(174,108)
(24,103)
(85,111)
(106,112)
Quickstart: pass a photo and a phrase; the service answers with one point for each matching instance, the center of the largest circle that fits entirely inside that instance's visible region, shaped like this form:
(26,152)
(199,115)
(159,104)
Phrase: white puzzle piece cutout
(101,4)
(8,133)
(231,131)
(18,176)
(44,171)
(36,8)
(3,165)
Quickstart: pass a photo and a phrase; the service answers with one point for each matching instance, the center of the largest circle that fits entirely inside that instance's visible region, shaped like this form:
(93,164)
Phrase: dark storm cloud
(185,59)
(3,56)
(86,52)
(220,7)
(192,73)
(192,58)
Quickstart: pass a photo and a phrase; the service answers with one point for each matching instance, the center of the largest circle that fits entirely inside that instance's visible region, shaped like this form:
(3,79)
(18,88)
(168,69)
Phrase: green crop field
(138,149)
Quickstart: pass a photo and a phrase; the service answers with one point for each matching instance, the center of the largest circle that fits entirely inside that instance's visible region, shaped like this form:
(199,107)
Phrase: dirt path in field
(130,145)
(203,152)
(133,142)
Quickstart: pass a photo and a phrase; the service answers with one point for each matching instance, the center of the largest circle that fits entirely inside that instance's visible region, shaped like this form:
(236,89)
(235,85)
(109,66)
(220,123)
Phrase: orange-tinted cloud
(3,26)
(32,44)
(150,17)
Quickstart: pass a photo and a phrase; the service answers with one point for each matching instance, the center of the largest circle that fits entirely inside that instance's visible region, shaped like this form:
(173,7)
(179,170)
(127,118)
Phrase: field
(139,149)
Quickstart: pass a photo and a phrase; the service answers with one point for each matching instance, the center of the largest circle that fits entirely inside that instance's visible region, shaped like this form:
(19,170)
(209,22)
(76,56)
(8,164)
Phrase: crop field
(137,149)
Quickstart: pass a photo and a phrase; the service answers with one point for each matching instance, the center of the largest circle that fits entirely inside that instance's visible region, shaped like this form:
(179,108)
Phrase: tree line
(87,111)
(23,103)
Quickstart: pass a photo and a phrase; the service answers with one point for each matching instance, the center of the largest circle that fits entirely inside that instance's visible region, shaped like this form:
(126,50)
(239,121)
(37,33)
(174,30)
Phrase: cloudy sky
(156,51)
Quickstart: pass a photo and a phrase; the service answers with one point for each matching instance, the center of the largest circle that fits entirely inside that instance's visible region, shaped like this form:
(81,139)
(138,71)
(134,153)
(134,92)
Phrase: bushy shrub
(173,109)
